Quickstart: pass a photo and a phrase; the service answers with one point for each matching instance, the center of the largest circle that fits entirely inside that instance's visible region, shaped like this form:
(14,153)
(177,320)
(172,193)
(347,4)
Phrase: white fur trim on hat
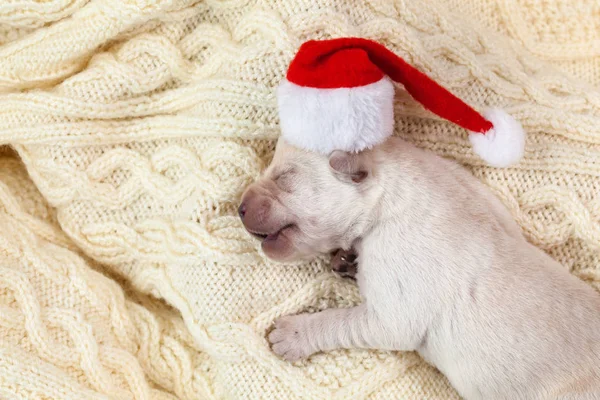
(503,145)
(348,119)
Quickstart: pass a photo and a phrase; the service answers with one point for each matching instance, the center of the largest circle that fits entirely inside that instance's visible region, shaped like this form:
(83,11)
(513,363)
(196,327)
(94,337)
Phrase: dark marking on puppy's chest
(424,340)
(473,292)
(399,287)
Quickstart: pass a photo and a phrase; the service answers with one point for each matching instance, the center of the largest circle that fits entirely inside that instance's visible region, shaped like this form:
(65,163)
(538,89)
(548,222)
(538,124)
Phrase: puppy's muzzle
(265,218)
(255,212)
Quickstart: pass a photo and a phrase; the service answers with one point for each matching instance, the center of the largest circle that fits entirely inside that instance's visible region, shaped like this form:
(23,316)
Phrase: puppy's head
(307,204)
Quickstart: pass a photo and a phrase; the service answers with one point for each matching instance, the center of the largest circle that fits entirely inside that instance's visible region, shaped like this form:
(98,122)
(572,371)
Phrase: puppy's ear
(352,167)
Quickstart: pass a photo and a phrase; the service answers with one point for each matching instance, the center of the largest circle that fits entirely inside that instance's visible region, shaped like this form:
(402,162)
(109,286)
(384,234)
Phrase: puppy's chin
(279,247)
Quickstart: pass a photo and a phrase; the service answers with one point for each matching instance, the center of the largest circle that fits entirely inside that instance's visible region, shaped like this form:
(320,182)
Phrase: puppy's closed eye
(285,179)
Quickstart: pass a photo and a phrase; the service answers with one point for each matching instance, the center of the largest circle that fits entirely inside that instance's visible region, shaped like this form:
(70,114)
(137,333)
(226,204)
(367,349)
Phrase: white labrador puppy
(443,269)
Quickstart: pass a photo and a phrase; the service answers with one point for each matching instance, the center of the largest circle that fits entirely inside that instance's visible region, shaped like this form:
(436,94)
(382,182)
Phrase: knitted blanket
(132,127)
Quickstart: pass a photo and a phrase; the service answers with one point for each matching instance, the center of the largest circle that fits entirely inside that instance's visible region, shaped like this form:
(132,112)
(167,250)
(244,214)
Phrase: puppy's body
(444,270)
(447,269)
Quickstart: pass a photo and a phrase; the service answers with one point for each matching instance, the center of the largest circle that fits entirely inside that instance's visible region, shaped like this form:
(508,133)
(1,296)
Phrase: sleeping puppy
(444,270)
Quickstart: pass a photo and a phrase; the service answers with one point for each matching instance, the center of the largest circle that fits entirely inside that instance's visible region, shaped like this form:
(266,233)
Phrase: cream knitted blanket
(134,126)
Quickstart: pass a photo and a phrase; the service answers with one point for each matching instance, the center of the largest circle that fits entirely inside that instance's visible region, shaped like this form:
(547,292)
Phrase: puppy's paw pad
(344,263)
(288,339)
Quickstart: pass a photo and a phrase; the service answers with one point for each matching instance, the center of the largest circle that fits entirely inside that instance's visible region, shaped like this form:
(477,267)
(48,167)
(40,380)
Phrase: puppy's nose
(242,210)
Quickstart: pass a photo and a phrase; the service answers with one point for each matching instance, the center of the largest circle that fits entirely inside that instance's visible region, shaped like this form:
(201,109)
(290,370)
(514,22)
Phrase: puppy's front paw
(289,338)
(344,263)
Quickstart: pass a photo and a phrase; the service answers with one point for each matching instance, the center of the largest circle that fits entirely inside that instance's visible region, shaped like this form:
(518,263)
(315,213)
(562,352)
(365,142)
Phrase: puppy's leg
(299,336)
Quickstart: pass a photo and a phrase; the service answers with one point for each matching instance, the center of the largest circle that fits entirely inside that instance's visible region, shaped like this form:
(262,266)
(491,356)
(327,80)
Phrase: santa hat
(338,95)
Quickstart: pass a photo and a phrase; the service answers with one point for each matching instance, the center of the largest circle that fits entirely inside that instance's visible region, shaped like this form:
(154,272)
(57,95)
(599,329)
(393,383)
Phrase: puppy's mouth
(267,237)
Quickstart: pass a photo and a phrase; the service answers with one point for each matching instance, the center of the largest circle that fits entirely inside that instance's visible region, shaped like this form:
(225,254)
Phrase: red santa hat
(338,95)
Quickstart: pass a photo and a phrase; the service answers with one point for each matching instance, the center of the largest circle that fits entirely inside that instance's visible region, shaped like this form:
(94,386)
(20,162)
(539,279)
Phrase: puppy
(443,269)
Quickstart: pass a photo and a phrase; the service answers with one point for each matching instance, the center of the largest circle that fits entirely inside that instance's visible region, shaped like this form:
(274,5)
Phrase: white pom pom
(502,146)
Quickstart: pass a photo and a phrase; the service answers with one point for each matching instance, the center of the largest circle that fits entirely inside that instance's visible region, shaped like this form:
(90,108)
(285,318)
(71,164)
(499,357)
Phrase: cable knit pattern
(563,33)
(139,124)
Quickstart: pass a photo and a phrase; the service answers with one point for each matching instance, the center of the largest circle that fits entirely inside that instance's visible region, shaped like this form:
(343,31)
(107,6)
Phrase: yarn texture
(130,129)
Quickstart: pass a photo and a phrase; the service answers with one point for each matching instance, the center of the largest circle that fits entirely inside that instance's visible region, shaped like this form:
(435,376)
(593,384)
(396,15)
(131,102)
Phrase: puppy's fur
(443,269)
